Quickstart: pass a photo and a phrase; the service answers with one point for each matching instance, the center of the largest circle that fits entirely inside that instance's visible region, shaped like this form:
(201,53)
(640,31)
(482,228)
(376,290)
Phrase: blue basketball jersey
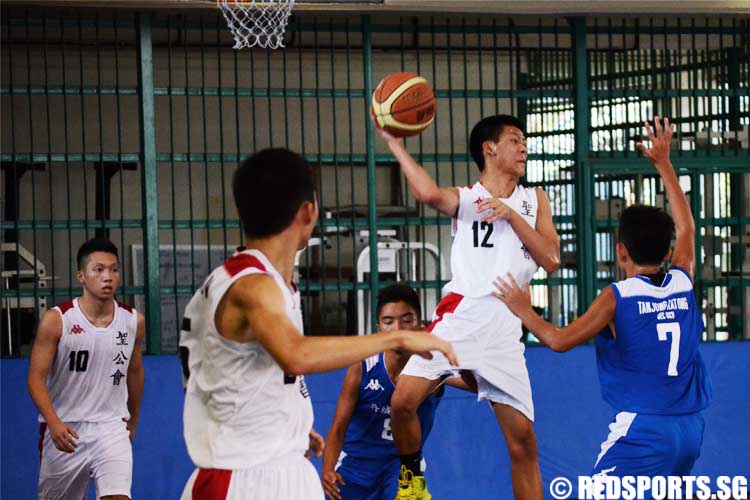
(369,432)
(652,364)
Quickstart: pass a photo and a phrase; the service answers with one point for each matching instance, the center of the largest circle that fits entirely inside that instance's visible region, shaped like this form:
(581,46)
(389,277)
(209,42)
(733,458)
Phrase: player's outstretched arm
(597,316)
(335,440)
(136,377)
(658,154)
(259,299)
(42,357)
(421,185)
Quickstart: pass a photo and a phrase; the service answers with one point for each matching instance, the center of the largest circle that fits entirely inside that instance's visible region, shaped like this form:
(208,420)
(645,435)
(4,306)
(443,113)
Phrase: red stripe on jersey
(65,306)
(446,306)
(470,186)
(42,430)
(211,484)
(125,306)
(240,262)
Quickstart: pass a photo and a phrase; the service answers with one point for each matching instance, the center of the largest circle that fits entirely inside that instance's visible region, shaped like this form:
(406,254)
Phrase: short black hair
(647,233)
(269,187)
(399,293)
(489,129)
(94,245)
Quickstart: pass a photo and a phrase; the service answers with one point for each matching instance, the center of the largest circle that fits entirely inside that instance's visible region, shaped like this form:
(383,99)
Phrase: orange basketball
(403,104)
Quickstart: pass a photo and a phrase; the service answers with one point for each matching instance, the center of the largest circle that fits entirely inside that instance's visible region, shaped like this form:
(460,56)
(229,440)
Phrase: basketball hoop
(260,23)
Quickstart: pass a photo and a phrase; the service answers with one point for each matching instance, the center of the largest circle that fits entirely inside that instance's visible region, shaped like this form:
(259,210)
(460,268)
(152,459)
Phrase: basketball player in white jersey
(248,417)
(500,227)
(86,378)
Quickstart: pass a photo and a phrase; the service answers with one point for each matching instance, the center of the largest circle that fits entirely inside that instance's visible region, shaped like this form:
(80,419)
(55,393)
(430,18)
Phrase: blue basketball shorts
(368,479)
(651,445)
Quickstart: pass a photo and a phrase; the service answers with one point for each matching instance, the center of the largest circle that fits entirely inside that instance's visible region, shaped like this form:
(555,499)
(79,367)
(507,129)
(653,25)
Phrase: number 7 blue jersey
(652,364)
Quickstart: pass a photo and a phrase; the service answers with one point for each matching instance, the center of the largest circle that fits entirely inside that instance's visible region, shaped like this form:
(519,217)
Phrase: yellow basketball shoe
(411,487)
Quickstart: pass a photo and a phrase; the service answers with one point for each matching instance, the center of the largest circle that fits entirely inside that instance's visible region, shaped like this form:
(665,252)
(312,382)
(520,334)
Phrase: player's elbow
(686,231)
(33,381)
(295,363)
(429,197)
(337,432)
(292,365)
(559,344)
(137,372)
(559,347)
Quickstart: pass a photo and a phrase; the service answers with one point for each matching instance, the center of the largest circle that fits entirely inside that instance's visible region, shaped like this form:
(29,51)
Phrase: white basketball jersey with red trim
(88,380)
(241,410)
(482,251)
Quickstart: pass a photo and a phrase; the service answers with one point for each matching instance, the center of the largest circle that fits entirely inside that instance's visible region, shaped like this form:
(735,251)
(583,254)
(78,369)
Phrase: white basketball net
(257,23)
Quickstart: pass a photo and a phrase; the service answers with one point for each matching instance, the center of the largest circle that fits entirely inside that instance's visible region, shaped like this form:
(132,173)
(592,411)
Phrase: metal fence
(129,125)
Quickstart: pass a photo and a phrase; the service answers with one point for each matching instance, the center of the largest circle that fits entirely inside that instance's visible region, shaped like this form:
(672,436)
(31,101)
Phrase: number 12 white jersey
(482,251)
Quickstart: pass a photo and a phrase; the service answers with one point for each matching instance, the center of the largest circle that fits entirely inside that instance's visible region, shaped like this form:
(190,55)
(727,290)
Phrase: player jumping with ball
(499,227)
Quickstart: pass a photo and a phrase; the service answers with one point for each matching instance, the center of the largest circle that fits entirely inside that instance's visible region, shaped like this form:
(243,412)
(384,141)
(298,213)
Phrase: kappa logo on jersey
(77,329)
(478,201)
(374,385)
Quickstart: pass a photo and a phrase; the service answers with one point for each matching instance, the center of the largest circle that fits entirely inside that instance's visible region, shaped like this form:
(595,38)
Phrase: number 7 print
(674,352)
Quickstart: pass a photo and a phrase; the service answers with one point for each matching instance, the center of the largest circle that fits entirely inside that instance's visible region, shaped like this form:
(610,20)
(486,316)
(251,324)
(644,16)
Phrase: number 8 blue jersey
(651,365)
(369,432)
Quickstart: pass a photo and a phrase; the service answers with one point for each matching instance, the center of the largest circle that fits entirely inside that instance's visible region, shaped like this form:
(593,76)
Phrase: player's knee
(522,444)
(403,405)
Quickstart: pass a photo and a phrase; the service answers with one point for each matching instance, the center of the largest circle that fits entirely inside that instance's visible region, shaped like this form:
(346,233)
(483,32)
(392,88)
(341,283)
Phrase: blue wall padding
(466,453)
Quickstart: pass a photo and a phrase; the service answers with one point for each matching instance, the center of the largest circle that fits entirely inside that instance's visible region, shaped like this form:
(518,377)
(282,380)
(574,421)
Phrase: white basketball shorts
(292,478)
(487,339)
(104,455)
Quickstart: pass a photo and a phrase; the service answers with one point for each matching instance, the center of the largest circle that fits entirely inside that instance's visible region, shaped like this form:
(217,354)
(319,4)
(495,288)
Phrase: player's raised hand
(63,436)
(329,480)
(498,210)
(420,343)
(516,298)
(661,139)
(317,444)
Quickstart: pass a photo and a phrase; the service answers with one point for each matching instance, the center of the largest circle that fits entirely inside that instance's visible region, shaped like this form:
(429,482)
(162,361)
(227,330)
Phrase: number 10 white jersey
(88,381)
